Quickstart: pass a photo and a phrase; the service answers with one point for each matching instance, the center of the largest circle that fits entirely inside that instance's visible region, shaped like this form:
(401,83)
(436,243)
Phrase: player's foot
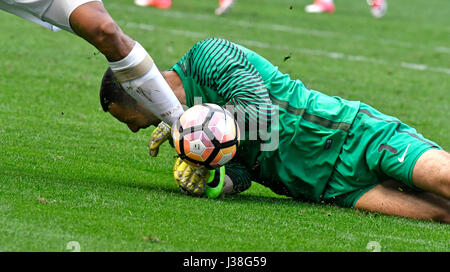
(320,6)
(162,4)
(378,8)
(224,6)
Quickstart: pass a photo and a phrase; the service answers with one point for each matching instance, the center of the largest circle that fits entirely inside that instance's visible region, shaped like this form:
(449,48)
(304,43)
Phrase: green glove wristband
(215,183)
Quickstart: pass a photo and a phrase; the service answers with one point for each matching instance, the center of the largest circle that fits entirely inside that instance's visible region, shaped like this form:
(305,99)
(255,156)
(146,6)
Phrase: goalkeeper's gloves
(191,180)
(198,181)
(159,135)
(215,183)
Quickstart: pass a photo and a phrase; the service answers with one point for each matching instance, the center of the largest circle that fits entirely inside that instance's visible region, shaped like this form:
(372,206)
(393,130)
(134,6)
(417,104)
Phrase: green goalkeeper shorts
(378,147)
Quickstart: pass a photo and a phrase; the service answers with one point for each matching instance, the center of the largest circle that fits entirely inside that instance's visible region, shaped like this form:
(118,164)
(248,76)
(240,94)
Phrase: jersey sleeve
(241,178)
(222,66)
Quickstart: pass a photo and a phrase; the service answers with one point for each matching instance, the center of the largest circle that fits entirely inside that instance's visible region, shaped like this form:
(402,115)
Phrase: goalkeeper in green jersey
(315,148)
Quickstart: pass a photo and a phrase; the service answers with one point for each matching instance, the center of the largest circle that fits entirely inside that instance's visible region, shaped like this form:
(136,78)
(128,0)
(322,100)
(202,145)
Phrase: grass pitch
(70,173)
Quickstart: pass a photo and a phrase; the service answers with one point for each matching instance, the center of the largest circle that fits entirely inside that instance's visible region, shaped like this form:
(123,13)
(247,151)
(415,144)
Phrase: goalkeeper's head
(115,100)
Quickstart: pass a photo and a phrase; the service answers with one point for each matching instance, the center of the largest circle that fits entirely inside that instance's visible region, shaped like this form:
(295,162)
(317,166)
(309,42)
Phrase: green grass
(69,172)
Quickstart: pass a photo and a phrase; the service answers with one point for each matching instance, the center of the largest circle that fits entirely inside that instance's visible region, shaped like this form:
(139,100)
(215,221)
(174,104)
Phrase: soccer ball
(206,135)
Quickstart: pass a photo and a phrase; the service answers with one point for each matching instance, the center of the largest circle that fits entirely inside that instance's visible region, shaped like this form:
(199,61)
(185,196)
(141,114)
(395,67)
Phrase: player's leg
(415,161)
(130,62)
(94,24)
(28,14)
(381,147)
(432,172)
(387,198)
(403,154)
(320,6)
(224,6)
(162,4)
(378,8)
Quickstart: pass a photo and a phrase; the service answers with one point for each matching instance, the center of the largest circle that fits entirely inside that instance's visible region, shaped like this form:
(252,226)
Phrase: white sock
(140,77)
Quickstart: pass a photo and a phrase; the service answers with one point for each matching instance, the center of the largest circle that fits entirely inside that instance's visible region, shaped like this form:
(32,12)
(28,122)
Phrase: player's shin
(139,76)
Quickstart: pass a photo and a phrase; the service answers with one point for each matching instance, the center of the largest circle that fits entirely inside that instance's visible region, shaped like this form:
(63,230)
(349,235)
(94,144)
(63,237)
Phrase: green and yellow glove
(191,180)
(215,183)
(159,135)
(199,181)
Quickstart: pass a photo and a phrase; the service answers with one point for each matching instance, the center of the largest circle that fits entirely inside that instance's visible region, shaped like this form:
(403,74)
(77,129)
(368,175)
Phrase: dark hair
(112,92)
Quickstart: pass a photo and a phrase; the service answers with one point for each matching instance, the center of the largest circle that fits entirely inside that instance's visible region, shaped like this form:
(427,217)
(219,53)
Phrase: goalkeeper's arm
(230,179)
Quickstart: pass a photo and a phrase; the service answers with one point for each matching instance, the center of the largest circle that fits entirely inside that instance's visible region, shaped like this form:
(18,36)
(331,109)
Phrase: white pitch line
(277,27)
(443,49)
(383,237)
(284,48)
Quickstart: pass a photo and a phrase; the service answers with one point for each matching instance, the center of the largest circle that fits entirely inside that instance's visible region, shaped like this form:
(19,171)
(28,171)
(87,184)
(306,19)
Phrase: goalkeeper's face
(136,117)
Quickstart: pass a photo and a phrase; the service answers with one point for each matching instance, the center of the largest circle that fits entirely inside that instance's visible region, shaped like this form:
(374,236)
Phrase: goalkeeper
(330,150)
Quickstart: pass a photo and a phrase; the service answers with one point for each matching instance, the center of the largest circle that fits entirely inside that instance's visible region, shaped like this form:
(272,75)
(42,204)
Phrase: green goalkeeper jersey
(311,126)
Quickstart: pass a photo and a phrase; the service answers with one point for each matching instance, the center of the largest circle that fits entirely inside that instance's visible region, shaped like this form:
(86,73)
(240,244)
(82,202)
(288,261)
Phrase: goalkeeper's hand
(191,180)
(199,181)
(159,135)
